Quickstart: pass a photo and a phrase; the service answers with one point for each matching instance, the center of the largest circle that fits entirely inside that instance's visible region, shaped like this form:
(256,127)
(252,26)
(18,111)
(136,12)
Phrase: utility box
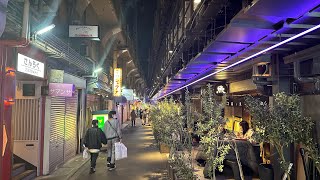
(102,117)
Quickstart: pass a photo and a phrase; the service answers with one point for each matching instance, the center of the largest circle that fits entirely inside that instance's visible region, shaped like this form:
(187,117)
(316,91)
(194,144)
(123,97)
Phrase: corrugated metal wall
(57,125)
(26,118)
(70,145)
(63,130)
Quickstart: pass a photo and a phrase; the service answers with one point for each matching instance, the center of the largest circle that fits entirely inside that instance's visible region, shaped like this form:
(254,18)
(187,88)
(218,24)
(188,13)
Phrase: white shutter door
(57,132)
(70,146)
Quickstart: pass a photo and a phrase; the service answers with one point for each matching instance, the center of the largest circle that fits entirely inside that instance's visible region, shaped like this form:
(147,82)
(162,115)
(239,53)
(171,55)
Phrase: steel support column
(7,96)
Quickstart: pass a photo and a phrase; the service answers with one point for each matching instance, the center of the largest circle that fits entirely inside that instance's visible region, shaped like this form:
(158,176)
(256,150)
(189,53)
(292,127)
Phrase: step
(18,168)
(26,175)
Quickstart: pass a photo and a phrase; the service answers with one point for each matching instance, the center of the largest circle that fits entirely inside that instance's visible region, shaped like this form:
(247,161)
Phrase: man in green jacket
(93,139)
(112,130)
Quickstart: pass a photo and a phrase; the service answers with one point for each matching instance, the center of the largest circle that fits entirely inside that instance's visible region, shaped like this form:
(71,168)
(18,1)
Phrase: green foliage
(182,164)
(168,121)
(281,124)
(210,127)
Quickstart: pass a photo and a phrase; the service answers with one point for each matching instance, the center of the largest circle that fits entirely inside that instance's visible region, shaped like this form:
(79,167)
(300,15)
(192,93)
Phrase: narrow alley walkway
(144,160)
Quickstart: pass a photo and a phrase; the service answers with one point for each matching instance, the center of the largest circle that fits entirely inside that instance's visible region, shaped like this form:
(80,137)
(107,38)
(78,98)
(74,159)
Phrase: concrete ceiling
(105,12)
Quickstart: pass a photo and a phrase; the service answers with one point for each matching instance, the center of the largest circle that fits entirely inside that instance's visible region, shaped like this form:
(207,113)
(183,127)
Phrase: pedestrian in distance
(144,117)
(93,139)
(140,113)
(133,117)
(112,131)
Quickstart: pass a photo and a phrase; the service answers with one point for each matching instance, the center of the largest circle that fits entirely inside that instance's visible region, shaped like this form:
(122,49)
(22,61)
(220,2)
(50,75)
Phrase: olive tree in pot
(210,126)
(280,125)
(169,129)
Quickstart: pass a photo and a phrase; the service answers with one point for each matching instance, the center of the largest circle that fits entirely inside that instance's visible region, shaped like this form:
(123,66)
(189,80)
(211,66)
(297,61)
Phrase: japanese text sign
(60,89)
(30,66)
(117,84)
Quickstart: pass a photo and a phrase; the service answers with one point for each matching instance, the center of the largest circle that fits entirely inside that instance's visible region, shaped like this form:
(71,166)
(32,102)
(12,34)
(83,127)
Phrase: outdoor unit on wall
(307,76)
(261,76)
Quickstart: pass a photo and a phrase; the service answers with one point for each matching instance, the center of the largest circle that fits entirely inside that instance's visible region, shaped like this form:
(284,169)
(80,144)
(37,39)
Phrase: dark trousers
(133,121)
(94,157)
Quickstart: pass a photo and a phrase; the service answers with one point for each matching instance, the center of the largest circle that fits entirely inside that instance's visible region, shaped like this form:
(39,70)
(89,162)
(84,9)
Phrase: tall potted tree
(209,128)
(169,128)
(281,124)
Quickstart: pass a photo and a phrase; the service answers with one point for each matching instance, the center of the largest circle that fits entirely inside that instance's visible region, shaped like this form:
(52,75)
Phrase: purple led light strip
(245,59)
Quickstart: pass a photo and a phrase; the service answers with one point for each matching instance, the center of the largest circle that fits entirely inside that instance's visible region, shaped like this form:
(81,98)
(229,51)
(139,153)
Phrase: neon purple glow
(245,59)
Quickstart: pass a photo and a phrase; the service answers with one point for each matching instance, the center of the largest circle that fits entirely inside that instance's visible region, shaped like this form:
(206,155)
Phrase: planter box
(164,148)
(171,173)
(266,172)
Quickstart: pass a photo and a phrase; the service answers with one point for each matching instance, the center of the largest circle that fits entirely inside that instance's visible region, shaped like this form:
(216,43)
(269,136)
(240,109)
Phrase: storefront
(64,119)
(27,109)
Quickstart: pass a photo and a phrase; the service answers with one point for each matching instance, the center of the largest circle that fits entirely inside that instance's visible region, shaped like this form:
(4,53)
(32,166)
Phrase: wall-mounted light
(9,101)
(98,70)
(10,71)
(170,51)
(46,29)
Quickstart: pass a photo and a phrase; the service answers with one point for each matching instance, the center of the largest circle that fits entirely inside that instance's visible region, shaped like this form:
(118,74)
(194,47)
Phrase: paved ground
(144,161)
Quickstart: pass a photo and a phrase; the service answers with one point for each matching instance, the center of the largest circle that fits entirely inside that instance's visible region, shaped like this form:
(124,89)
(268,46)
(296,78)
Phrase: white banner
(30,66)
(83,31)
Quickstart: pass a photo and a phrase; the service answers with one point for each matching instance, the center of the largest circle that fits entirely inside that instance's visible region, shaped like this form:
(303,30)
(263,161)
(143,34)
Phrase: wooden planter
(164,148)
(171,173)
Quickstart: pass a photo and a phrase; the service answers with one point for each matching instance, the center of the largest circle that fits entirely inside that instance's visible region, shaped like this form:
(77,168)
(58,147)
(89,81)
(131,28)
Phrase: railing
(51,44)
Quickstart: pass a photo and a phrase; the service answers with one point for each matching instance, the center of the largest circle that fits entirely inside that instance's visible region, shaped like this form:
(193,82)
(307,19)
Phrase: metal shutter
(57,132)
(70,146)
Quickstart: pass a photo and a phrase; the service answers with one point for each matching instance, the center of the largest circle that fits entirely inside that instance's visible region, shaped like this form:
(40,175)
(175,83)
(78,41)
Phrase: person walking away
(93,139)
(133,118)
(113,135)
(144,117)
(147,117)
(140,113)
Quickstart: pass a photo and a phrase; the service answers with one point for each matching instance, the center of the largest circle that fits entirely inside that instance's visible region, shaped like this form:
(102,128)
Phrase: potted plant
(209,128)
(280,125)
(169,129)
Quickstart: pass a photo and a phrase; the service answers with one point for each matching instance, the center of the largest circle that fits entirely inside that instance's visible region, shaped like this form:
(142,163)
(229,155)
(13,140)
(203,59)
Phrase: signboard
(128,93)
(117,82)
(60,89)
(102,118)
(83,31)
(56,76)
(30,66)
(220,89)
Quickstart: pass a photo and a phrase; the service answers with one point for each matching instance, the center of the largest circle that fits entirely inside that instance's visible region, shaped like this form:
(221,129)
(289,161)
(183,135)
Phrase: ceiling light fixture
(98,70)
(246,59)
(46,29)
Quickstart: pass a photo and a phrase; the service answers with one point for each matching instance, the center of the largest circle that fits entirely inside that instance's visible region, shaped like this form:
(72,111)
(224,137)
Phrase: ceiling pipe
(25,32)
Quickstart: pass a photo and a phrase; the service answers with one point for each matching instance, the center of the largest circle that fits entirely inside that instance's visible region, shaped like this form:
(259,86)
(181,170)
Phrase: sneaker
(108,164)
(92,170)
(112,167)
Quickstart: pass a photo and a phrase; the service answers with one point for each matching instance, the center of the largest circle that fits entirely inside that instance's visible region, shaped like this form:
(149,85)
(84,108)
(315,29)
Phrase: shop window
(29,89)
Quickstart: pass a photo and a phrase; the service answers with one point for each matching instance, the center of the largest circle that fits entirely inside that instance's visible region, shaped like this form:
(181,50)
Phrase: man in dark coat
(93,139)
(133,118)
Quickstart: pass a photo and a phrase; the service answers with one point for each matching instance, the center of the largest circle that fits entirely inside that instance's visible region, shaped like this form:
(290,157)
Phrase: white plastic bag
(85,154)
(120,151)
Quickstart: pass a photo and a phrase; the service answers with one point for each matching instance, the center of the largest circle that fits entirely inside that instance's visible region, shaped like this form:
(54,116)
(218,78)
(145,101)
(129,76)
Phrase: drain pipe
(25,37)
